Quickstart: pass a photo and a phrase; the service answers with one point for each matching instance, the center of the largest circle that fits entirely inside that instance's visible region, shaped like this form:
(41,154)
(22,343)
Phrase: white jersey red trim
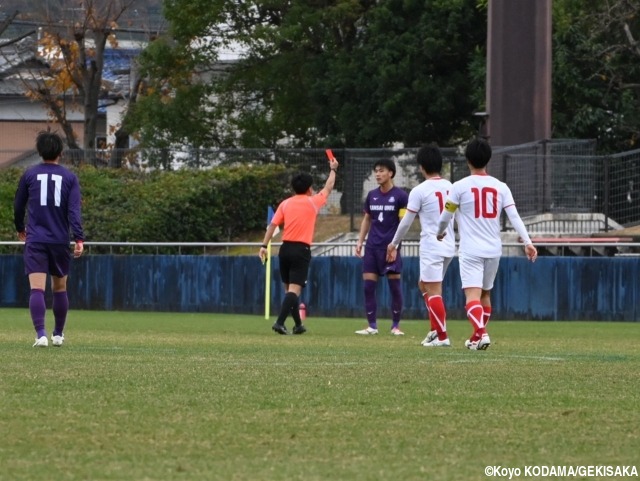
(480,199)
(427,200)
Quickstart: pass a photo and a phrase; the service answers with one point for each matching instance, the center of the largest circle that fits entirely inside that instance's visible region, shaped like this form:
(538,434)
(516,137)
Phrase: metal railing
(558,246)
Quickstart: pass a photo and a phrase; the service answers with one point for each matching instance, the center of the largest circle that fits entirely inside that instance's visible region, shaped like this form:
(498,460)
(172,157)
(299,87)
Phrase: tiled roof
(17,61)
(117,65)
(11,88)
(16,54)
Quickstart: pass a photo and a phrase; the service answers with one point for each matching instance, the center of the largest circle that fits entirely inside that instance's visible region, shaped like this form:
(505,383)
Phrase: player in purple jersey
(383,209)
(50,196)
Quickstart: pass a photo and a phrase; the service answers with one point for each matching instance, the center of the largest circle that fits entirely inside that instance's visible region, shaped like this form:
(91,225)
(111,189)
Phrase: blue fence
(554,288)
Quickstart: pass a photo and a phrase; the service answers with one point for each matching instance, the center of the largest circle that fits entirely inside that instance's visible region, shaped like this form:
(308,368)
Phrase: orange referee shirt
(298,214)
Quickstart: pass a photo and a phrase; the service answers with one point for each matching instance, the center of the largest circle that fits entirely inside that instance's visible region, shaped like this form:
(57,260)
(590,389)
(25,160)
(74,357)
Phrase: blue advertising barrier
(553,288)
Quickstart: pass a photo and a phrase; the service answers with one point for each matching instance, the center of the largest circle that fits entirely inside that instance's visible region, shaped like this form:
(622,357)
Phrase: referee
(298,213)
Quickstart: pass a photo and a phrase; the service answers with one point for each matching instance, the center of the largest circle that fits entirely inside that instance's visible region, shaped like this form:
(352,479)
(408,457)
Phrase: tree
(596,72)
(362,74)
(172,105)
(73,39)
(409,75)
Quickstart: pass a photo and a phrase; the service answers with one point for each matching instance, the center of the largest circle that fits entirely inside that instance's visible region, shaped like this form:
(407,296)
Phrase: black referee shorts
(295,258)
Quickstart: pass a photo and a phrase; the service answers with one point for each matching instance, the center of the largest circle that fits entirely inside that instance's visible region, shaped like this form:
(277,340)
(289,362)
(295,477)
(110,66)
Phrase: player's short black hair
(478,153)
(387,164)
(49,145)
(430,159)
(301,182)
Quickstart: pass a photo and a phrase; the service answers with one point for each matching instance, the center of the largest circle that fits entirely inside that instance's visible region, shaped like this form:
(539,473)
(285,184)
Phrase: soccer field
(172,396)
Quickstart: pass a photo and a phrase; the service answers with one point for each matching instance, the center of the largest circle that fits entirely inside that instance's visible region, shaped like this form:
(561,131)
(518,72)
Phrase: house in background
(22,118)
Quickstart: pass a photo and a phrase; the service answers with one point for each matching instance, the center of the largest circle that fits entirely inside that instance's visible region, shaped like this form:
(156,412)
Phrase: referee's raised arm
(331,180)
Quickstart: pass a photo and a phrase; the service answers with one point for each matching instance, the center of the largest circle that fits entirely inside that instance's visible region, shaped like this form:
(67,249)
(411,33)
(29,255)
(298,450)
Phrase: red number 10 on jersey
(485,202)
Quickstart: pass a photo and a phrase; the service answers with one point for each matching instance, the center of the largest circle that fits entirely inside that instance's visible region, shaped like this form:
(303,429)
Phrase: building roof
(19,61)
(116,70)
(15,55)
(136,22)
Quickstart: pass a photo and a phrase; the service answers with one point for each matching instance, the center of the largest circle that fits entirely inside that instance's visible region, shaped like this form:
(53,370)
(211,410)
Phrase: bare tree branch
(17,39)
(632,41)
(4,25)
(630,85)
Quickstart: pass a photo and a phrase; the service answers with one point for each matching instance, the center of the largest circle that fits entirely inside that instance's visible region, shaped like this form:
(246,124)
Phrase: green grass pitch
(179,396)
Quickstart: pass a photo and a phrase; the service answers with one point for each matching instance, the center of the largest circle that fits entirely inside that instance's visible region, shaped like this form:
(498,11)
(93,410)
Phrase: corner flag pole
(267,283)
(267,277)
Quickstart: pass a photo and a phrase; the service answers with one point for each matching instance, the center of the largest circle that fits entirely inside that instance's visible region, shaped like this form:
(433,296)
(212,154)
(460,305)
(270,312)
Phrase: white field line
(469,357)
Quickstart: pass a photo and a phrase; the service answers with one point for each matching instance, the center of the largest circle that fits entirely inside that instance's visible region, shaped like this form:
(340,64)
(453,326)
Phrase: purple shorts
(53,259)
(375,261)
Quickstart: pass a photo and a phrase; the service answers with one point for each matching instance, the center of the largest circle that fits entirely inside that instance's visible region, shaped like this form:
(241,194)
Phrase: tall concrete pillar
(518,71)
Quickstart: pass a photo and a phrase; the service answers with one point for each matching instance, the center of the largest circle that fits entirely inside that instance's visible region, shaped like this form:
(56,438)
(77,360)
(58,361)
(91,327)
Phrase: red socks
(475,314)
(487,315)
(425,298)
(437,316)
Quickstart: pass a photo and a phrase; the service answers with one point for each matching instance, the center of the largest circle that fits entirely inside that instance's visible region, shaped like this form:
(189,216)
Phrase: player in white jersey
(479,200)
(427,201)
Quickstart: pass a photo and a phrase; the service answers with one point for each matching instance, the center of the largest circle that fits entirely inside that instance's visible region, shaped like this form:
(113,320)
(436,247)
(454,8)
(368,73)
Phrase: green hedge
(186,206)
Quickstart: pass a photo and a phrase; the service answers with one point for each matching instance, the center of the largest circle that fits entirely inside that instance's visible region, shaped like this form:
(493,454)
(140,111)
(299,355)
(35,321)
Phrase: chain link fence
(552,177)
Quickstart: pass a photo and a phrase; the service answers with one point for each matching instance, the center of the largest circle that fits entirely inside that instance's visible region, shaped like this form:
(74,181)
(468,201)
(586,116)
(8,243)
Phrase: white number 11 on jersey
(44,186)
